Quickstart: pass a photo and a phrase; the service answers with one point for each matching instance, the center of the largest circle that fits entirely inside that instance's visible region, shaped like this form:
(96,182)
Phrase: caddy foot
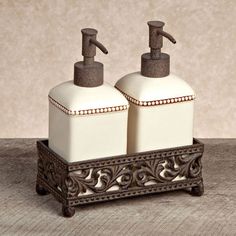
(68,211)
(198,190)
(41,190)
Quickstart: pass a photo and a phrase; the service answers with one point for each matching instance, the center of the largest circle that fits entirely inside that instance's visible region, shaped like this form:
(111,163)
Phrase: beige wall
(40,41)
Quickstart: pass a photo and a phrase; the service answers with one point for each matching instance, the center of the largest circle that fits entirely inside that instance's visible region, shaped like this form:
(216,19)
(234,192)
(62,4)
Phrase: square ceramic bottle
(87,118)
(161,104)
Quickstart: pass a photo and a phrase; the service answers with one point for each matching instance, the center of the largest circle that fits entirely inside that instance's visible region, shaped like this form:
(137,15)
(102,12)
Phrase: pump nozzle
(155,38)
(165,34)
(89,44)
(99,45)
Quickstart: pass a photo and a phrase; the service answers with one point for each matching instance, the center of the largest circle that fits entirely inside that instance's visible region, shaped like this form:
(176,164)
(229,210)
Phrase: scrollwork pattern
(51,172)
(124,176)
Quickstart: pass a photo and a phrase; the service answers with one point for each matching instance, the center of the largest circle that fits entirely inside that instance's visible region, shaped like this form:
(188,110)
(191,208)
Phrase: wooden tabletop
(23,212)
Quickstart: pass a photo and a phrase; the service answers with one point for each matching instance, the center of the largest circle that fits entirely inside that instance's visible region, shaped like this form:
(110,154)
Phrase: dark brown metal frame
(118,176)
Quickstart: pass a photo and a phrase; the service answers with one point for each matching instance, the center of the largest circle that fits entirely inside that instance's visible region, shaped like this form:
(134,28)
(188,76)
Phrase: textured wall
(41,39)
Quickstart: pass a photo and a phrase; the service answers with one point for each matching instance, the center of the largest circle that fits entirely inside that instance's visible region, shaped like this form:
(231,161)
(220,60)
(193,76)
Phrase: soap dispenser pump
(156,64)
(161,104)
(87,117)
(89,73)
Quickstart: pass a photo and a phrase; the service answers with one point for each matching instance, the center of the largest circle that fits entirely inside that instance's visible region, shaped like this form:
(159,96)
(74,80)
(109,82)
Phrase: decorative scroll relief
(51,172)
(116,187)
(118,177)
(134,175)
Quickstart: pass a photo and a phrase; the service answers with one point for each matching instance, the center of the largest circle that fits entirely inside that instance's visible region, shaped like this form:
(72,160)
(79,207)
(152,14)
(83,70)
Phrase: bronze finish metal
(156,64)
(132,175)
(89,73)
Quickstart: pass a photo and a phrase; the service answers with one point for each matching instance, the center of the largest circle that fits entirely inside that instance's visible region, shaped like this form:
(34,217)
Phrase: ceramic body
(160,113)
(87,123)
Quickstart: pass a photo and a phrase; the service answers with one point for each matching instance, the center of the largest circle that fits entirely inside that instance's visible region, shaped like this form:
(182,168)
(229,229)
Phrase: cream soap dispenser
(87,118)
(161,104)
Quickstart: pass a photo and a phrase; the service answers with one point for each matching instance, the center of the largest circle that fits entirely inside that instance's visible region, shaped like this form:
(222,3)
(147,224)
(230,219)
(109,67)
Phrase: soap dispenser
(87,117)
(161,104)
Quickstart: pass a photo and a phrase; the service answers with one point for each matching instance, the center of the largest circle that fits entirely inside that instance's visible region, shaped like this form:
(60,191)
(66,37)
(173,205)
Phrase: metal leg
(198,190)
(68,211)
(41,190)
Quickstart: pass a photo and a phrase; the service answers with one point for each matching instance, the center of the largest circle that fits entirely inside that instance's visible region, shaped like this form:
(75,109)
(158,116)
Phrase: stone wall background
(41,40)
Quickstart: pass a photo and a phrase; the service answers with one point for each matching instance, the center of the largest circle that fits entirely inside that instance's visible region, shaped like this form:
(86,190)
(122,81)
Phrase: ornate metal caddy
(118,177)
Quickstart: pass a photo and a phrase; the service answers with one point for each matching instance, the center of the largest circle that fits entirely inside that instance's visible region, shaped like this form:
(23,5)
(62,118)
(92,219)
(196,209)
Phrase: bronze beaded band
(158,102)
(88,111)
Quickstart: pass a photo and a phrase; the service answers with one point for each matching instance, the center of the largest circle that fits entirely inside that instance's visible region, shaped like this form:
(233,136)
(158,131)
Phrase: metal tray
(116,177)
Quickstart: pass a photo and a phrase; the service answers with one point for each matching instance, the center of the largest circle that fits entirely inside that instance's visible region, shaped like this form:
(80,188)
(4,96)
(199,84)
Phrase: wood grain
(23,212)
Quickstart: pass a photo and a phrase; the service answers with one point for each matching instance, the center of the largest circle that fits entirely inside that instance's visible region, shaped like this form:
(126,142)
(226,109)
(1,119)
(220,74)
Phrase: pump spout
(99,45)
(165,34)
(156,52)
(88,59)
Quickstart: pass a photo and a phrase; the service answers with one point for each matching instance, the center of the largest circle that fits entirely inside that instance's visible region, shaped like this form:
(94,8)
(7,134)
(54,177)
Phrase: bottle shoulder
(74,97)
(148,89)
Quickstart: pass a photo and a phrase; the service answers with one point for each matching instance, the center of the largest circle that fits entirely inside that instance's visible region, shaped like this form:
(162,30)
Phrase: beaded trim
(88,111)
(157,102)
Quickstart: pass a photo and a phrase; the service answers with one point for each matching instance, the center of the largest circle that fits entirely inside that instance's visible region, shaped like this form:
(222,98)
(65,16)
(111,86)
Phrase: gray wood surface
(23,212)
